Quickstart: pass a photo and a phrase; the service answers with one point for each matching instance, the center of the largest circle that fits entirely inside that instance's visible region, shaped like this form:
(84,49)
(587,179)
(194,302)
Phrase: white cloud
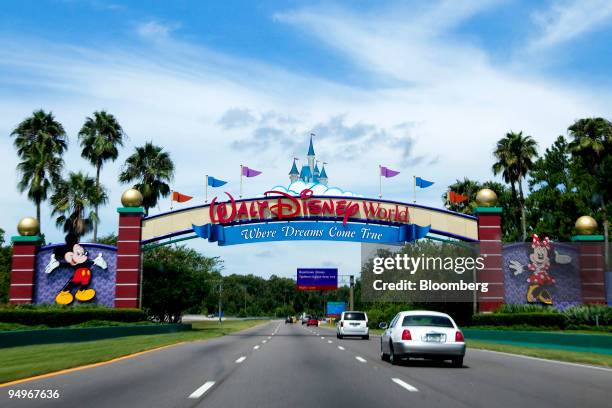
(566,20)
(155,30)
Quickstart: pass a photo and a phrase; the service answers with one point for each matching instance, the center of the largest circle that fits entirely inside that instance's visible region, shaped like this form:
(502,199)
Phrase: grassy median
(604,360)
(27,361)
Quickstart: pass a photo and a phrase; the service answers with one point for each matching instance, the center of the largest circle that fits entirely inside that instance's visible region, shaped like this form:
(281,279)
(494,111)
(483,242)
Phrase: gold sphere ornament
(486,198)
(28,227)
(586,225)
(131,198)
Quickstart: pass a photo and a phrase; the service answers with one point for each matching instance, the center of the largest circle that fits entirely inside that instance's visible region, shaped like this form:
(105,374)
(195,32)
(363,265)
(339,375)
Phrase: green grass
(550,354)
(90,323)
(27,361)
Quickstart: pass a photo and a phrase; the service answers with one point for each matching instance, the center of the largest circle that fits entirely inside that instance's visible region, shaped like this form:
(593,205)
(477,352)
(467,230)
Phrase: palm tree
(73,202)
(100,136)
(150,168)
(466,187)
(40,141)
(40,170)
(592,143)
(515,154)
(40,128)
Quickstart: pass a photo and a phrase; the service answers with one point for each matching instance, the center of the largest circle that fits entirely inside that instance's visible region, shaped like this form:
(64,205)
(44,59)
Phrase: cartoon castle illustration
(310,172)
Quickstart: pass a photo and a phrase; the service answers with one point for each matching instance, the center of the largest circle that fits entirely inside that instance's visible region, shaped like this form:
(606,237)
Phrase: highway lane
(279,365)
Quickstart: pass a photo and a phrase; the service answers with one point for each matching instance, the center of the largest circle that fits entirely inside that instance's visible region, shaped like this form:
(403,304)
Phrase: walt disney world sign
(279,216)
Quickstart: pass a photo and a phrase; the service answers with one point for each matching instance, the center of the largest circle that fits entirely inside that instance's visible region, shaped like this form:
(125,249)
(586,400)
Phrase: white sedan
(422,334)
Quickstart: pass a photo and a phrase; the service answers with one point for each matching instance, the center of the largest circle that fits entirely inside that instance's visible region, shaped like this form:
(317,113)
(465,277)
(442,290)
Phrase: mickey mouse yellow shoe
(64,298)
(85,295)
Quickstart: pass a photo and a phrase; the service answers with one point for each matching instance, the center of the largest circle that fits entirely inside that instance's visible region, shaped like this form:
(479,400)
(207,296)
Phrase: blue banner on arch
(310,231)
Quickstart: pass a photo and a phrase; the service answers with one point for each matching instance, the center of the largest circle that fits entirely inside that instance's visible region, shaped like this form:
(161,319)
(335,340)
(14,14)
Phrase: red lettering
(314,207)
(282,209)
(370,212)
(242,211)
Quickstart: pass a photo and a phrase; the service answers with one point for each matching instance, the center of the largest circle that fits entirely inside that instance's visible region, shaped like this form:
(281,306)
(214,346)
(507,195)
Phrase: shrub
(511,319)
(510,308)
(590,315)
(54,316)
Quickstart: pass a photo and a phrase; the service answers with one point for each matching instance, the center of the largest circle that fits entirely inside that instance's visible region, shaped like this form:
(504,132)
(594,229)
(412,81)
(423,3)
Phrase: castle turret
(294,174)
(323,176)
(311,155)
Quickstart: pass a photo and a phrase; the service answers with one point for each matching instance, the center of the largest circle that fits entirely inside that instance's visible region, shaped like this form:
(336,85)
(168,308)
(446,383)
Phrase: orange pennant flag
(456,197)
(180,198)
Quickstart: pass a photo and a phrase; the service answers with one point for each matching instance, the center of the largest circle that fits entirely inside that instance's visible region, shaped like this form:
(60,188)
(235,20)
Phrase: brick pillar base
(127,289)
(23,268)
(592,268)
(489,235)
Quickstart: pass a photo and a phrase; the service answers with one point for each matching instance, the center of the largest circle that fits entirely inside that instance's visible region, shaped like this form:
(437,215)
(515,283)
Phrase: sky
(423,87)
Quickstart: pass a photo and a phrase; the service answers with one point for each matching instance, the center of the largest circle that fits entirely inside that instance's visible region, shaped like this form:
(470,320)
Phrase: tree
(74,202)
(150,168)
(515,154)
(100,136)
(591,145)
(40,170)
(40,141)
(466,187)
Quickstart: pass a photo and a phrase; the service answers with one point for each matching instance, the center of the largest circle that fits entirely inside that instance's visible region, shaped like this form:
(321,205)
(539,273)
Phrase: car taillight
(459,336)
(341,324)
(406,335)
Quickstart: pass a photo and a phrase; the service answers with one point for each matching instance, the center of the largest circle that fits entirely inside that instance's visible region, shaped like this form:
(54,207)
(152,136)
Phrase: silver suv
(353,323)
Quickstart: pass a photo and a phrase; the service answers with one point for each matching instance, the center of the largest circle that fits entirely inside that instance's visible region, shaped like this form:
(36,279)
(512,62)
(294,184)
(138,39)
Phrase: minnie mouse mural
(76,257)
(539,266)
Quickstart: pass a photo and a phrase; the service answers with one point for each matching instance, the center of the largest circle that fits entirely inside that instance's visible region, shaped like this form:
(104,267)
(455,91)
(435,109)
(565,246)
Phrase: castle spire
(294,174)
(311,147)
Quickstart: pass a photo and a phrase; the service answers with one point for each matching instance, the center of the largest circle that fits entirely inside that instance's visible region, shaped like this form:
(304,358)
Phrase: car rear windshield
(427,320)
(354,316)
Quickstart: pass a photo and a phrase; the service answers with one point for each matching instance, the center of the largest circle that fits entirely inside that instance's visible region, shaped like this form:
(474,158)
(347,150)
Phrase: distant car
(289,319)
(422,334)
(305,319)
(312,321)
(353,323)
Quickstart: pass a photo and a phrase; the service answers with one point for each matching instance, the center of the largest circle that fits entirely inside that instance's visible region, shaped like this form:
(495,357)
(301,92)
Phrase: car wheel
(458,361)
(383,356)
(392,357)
(340,336)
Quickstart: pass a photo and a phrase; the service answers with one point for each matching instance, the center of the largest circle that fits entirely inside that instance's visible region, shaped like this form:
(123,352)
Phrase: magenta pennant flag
(250,172)
(386,172)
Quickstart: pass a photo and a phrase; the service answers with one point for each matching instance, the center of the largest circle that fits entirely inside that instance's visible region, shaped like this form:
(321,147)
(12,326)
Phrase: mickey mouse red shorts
(81,276)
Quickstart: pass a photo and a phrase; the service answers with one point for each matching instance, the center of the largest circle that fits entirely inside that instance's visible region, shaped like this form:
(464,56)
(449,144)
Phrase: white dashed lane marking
(256,347)
(360,359)
(341,348)
(241,359)
(404,385)
(200,391)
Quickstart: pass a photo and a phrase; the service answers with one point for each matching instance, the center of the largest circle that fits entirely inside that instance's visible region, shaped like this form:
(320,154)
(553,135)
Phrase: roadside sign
(335,309)
(317,278)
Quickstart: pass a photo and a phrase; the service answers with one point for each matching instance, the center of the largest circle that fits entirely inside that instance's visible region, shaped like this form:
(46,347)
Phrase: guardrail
(69,335)
(594,343)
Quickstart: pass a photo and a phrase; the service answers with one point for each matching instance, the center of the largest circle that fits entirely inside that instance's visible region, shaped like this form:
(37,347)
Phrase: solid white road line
(360,359)
(256,347)
(200,391)
(404,385)
(341,348)
(241,359)
(545,360)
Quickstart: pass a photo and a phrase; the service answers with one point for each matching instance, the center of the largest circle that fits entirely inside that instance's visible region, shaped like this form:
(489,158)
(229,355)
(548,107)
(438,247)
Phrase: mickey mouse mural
(73,255)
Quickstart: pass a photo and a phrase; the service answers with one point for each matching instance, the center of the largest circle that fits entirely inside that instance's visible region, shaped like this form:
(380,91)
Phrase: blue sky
(423,87)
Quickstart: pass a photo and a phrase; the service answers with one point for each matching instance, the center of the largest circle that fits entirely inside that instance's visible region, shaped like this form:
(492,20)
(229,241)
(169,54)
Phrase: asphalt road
(279,365)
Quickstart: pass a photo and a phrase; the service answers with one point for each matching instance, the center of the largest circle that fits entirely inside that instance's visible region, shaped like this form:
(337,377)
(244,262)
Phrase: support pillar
(23,268)
(592,268)
(490,235)
(129,261)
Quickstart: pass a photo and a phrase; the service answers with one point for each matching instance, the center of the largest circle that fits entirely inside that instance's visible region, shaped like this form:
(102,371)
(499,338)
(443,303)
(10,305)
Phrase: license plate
(354,324)
(433,338)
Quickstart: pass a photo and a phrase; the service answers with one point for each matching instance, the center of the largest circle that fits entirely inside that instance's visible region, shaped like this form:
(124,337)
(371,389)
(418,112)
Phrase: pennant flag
(423,183)
(180,198)
(387,172)
(250,172)
(456,198)
(215,182)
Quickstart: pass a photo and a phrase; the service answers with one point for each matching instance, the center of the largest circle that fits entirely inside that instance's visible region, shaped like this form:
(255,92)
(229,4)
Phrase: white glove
(99,261)
(562,259)
(53,263)
(516,267)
